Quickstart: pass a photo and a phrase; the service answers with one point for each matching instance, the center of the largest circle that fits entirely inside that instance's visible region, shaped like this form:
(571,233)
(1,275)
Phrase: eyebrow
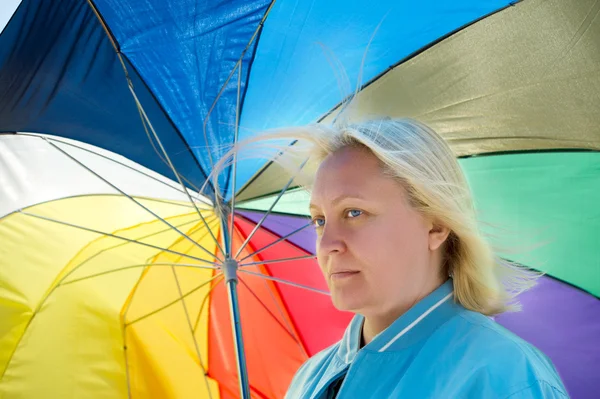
(339,199)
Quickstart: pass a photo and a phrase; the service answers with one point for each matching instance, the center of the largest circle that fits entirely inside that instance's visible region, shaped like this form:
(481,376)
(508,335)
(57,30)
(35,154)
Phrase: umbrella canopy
(103,297)
(513,86)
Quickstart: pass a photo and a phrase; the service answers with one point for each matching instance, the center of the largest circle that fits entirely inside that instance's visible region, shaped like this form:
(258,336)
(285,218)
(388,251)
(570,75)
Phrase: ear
(437,236)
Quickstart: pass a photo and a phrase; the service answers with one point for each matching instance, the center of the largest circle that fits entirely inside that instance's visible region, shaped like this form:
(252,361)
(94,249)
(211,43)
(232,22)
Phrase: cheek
(391,241)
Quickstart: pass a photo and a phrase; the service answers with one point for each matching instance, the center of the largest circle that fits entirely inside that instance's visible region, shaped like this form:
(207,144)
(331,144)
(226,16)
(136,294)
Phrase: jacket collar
(417,323)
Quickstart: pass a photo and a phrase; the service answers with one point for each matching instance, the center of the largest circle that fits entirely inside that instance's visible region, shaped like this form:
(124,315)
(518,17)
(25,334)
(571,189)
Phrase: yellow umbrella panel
(78,298)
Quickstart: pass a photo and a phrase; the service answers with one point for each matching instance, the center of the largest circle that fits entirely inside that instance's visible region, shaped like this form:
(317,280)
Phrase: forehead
(350,171)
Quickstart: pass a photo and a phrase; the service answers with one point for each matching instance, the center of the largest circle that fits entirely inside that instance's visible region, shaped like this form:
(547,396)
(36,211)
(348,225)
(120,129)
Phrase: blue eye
(318,222)
(354,213)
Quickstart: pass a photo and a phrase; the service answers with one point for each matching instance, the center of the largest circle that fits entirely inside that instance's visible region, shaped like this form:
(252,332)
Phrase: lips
(343,274)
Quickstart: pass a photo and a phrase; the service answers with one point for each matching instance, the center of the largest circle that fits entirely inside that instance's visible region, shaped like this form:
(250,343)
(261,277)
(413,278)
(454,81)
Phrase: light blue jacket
(437,349)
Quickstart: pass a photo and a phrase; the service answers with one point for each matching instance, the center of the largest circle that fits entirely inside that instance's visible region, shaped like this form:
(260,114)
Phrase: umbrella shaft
(239,342)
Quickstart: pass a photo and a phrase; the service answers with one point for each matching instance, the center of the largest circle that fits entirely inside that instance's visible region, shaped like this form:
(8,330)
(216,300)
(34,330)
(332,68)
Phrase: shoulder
(501,345)
(499,360)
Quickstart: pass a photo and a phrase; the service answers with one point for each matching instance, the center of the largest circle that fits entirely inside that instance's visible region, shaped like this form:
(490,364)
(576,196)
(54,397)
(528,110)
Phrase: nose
(330,241)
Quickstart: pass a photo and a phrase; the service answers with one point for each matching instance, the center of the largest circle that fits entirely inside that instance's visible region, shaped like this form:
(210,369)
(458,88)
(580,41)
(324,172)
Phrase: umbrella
(513,86)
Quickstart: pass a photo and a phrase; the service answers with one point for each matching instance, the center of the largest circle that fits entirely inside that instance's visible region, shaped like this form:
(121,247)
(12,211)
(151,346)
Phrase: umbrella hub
(230,267)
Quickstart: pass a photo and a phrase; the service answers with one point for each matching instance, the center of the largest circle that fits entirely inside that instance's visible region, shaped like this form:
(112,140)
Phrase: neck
(376,323)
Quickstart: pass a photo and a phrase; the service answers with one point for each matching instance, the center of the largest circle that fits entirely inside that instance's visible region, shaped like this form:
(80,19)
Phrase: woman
(398,243)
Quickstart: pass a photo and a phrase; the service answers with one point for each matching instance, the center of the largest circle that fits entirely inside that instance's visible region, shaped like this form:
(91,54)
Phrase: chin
(346,303)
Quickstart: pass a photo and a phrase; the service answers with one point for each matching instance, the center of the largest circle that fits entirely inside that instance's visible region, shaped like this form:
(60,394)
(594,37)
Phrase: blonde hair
(421,160)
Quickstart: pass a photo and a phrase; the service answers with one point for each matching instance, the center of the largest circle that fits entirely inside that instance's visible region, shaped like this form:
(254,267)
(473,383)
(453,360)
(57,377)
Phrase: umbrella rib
(266,262)
(82,263)
(175,301)
(189,323)
(185,265)
(117,237)
(213,218)
(202,306)
(159,154)
(123,317)
(117,162)
(124,338)
(268,212)
(128,78)
(136,201)
(291,283)
(239,62)
(235,139)
(287,328)
(276,242)
(143,112)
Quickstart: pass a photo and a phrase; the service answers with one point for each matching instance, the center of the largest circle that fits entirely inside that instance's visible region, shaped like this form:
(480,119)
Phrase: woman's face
(376,252)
